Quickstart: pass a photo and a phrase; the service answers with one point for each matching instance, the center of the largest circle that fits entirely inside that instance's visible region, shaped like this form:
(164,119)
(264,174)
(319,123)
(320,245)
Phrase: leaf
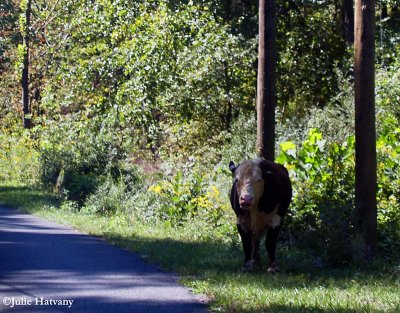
(289,148)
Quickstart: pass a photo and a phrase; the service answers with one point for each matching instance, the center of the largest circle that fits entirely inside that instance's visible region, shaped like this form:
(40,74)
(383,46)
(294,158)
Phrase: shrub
(323,183)
(190,194)
(322,173)
(18,158)
(115,194)
(108,199)
(388,147)
(75,159)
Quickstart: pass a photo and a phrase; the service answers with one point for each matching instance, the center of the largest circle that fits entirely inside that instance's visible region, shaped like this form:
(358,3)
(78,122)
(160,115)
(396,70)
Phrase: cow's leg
(256,248)
(270,244)
(247,242)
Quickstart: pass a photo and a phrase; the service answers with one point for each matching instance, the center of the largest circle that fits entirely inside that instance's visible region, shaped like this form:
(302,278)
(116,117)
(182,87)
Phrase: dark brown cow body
(260,197)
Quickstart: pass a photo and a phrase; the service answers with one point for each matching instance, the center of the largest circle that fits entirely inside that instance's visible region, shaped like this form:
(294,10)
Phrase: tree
(266,80)
(348,21)
(366,164)
(25,24)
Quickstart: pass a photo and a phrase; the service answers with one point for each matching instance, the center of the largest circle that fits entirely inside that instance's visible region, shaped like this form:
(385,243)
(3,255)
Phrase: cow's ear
(232,167)
(266,170)
(267,174)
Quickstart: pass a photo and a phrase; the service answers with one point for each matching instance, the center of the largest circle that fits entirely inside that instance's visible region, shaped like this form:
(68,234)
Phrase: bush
(388,147)
(190,194)
(323,183)
(75,160)
(18,158)
(108,199)
(126,194)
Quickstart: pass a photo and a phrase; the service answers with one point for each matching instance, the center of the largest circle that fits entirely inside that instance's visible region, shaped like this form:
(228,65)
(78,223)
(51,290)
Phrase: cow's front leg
(256,248)
(270,245)
(254,257)
(247,242)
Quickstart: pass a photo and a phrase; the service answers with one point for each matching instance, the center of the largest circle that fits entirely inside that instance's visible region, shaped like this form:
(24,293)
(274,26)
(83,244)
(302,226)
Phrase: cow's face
(249,183)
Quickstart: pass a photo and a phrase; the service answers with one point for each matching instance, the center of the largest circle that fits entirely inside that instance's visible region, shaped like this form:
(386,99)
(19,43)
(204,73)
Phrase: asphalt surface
(43,266)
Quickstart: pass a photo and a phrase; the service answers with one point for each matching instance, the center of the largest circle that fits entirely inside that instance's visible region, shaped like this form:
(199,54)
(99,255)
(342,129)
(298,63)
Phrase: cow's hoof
(273,268)
(249,266)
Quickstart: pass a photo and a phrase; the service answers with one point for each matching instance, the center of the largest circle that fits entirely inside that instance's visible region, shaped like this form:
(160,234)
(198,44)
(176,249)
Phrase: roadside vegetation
(137,107)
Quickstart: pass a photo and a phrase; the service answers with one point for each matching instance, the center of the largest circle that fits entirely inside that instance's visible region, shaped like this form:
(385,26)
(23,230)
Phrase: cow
(260,196)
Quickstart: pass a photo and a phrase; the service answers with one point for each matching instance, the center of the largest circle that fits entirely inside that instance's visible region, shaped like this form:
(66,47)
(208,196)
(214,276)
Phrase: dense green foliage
(138,106)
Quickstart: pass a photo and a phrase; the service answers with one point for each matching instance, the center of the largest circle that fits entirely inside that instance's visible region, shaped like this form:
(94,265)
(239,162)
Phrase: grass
(212,267)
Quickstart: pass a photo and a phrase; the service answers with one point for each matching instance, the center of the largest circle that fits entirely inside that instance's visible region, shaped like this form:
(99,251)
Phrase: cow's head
(249,182)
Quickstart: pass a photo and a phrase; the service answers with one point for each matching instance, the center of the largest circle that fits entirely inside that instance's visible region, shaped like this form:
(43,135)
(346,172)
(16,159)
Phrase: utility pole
(266,80)
(366,164)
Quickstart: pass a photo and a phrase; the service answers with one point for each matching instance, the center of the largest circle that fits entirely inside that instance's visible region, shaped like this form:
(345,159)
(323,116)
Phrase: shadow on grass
(26,198)
(201,258)
(311,309)
(218,260)
(217,265)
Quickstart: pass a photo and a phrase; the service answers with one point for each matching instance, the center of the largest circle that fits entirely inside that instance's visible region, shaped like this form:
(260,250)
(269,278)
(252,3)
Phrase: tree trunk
(266,80)
(348,21)
(366,176)
(26,118)
(227,119)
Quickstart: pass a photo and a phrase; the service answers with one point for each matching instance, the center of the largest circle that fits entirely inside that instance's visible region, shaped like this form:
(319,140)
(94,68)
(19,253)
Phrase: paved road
(42,263)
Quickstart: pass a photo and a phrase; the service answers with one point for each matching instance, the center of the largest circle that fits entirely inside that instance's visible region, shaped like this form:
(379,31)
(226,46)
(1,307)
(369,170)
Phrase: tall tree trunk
(266,80)
(229,105)
(348,21)
(26,118)
(366,176)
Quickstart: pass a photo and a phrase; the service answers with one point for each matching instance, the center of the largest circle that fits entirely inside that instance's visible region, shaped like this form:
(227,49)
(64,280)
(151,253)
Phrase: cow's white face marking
(249,184)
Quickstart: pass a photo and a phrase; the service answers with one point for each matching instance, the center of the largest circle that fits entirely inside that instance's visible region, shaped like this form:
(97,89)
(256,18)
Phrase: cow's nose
(246,200)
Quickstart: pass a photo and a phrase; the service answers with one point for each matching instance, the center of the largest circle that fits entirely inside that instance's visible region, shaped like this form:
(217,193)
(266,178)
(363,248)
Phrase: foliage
(189,194)
(388,186)
(74,161)
(308,75)
(108,199)
(388,91)
(118,194)
(18,158)
(151,77)
(322,173)
(388,121)
(323,180)
(8,21)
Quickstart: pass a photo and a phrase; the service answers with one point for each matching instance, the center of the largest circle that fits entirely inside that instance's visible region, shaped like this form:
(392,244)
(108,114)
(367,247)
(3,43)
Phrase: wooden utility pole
(365,171)
(266,80)
(26,7)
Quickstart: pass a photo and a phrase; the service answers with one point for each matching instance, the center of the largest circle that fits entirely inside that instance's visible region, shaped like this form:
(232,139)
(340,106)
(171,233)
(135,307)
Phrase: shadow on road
(40,259)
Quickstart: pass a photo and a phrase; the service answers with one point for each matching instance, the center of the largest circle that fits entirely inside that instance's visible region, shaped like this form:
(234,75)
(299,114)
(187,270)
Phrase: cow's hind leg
(247,242)
(270,244)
